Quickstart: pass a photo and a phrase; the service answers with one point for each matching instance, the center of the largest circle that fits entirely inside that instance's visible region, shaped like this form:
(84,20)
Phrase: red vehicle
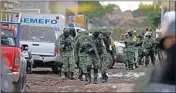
(13,57)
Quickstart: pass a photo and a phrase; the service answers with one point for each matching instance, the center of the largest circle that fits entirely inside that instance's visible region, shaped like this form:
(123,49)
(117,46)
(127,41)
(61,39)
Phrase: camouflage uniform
(148,49)
(130,54)
(66,46)
(158,50)
(59,57)
(106,58)
(110,47)
(95,39)
(138,44)
(82,46)
(76,56)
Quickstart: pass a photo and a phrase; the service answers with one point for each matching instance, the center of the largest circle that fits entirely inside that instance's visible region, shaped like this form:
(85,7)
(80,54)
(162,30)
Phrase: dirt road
(120,80)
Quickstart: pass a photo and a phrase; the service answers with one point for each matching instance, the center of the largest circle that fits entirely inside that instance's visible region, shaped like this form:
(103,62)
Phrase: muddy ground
(120,80)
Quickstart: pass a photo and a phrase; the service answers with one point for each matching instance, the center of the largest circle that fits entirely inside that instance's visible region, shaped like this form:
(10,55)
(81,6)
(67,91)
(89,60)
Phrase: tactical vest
(107,42)
(84,45)
(68,44)
(98,45)
(149,43)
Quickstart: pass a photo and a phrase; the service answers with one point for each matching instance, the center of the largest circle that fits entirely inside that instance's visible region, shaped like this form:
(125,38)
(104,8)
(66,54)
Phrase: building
(54,7)
(29,6)
(127,15)
(168,5)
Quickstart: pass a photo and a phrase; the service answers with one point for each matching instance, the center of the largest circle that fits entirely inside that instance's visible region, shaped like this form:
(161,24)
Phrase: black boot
(136,65)
(88,77)
(95,80)
(80,76)
(131,67)
(104,77)
(59,73)
(66,75)
(71,76)
(128,67)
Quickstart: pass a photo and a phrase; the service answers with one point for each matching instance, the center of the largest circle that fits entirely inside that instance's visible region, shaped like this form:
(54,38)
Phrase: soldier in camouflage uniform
(76,51)
(85,64)
(59,60)
(148,47)
(138,44)
(110,46)
(66,47)
(107,57)
(158,50)
(96,54)
(130,54)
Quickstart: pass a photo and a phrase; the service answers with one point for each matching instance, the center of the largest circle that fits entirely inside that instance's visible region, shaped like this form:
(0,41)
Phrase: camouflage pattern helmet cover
(66,31)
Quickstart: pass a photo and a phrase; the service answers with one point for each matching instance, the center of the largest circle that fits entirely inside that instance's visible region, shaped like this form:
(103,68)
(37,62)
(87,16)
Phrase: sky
(126,5)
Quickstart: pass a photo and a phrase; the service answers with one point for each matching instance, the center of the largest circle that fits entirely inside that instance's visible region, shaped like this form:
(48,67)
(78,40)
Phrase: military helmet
(96,33)
(66,31)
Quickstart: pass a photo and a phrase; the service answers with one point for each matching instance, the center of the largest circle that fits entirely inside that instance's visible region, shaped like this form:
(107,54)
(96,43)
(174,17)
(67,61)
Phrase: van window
(35,33)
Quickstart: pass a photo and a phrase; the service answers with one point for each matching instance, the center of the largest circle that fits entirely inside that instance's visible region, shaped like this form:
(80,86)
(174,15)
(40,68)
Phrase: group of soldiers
(140,47)
(85,51)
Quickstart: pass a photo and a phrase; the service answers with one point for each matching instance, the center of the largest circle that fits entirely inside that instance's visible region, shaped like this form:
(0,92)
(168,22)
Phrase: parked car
(41,42)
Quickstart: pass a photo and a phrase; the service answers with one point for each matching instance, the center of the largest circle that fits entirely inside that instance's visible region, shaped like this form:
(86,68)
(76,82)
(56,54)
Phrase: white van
(40,32)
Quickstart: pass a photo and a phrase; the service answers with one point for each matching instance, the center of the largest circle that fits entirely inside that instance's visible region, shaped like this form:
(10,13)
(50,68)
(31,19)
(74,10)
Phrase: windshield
(37,33)
(7,32)
(7,41)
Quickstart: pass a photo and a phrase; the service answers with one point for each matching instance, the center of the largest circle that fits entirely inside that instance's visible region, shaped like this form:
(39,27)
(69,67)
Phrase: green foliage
(154,18)
(152,12)
(110,8)
(94,10)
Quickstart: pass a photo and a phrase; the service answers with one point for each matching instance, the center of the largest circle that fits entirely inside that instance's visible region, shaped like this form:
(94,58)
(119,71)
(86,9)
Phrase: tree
(154,16)
(92,9)
(110,8)
(152,12)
